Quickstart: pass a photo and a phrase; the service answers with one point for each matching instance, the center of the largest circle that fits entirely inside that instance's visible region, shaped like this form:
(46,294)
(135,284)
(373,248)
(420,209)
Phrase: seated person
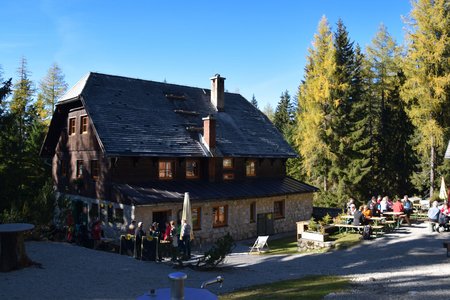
(433,212)
(367,212)
(408,206)
(358,217)
(398,207)
(444,215)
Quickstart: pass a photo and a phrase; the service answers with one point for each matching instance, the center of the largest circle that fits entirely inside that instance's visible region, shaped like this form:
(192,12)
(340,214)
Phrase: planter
(315,236)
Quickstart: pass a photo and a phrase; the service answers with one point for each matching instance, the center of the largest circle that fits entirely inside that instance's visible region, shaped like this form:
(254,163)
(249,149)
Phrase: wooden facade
(124,163)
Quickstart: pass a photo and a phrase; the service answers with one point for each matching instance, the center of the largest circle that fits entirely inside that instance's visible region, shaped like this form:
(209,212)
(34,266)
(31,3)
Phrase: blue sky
(259,46)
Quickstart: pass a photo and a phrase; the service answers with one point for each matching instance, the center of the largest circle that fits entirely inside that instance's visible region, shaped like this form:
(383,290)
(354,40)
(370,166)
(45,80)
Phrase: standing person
(96,233)
(349,204)
(132,228)
(186,237)
(139,233)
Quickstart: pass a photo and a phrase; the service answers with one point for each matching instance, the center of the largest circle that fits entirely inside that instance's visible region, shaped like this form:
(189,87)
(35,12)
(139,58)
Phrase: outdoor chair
(260,244)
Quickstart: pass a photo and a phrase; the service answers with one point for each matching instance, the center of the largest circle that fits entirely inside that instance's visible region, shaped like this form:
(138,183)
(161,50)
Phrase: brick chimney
(217,92)
(209,131)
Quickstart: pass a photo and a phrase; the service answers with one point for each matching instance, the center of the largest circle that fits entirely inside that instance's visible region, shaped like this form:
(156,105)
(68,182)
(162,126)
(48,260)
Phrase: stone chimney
(209,131)
(217,92)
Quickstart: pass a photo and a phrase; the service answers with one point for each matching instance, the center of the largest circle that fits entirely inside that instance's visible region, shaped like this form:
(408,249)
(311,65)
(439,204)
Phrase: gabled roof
(173,191)
(146,118)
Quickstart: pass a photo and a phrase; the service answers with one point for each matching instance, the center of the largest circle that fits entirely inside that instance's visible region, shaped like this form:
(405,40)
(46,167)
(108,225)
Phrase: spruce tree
(392,128)
(427,85)
(284,113)
(254,101)
(342,106)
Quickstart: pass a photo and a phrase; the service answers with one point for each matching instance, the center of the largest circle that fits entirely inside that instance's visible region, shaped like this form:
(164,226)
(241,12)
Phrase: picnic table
(396,216)
(12,254)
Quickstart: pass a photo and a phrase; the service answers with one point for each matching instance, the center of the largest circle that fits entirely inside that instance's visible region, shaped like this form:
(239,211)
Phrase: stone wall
(297,207)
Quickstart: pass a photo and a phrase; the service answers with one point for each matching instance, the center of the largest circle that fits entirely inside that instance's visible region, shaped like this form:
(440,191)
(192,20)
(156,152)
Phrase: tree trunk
(432,159)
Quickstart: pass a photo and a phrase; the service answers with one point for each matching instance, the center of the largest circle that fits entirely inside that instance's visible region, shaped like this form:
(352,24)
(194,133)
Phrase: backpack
(367,232)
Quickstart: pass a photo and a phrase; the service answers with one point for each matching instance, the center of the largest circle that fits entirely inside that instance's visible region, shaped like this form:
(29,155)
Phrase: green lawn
(288,245)
(310,287)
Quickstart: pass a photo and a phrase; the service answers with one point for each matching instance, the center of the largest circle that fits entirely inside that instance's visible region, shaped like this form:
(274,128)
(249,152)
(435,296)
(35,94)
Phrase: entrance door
(161,217)
(264,224)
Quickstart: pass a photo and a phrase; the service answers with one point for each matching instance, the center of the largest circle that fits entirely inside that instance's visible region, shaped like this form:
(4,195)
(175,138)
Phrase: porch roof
(173,191)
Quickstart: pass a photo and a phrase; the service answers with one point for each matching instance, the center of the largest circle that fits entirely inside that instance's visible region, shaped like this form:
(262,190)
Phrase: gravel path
(408,264)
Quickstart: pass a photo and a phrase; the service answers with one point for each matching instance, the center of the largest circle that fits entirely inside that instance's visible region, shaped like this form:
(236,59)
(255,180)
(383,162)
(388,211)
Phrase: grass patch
(345,240)
(288,245)
(310,287)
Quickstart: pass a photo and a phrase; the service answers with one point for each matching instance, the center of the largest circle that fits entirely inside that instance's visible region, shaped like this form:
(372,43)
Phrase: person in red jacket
(96,233)
(398,207)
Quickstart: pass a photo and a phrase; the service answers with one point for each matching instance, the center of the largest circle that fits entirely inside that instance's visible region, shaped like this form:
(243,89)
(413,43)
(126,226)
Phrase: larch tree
(52,87)
(313,132)
(427,86)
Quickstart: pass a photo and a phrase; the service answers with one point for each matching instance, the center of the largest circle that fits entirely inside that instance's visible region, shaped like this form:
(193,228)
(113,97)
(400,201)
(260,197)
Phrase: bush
(214,256)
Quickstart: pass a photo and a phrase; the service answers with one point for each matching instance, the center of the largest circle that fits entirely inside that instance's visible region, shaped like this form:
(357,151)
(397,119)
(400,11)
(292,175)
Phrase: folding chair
(260,244)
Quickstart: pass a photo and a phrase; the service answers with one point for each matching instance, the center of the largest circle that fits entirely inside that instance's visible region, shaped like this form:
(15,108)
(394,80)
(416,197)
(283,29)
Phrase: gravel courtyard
(407,264)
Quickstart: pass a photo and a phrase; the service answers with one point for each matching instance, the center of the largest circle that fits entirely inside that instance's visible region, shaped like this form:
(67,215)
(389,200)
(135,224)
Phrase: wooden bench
(348,227)
(447,246)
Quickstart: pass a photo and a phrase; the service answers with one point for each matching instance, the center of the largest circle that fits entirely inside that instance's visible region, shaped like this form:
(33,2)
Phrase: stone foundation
(308,245)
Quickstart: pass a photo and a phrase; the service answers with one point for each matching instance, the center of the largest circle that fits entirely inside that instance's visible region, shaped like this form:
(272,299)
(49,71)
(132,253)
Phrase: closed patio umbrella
(443,190)
(187,212)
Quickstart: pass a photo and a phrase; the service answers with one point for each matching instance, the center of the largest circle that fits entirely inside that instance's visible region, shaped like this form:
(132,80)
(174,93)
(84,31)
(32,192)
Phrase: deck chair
(260,244)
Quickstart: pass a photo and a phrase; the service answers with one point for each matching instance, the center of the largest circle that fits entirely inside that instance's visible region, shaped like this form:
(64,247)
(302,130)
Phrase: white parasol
(187,213)
(443,190)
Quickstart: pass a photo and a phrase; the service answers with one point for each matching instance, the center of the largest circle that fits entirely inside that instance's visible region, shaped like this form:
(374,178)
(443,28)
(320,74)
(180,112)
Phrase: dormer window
(72,126)
(250,168)
(228,163)
(84,124)
(166,169)
(192,169)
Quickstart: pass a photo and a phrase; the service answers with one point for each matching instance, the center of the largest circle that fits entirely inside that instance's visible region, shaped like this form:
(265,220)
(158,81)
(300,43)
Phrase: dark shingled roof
(139,117)
(173,191)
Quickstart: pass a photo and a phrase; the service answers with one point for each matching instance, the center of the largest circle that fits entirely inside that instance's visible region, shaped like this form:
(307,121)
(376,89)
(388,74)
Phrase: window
(220,214)
(118,215)
(253,212)
(166,169)
(196,218)
(228,163)
(192,168)
(93,212)
(250,168)
(71,126)
(94,169)
(278,209)
(228,176)
(63,166)
(84,124)
(110,213)
(79,168)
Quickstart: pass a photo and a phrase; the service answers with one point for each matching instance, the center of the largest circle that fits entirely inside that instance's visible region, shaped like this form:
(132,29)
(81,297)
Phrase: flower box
(315,236)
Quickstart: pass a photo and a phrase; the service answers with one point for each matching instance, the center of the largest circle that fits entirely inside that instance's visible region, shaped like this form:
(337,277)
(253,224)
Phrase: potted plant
(316,231)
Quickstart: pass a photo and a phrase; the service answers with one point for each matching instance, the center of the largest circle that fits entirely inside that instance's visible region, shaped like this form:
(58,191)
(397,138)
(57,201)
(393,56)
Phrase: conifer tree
(392,164)
(284,113)
(342,106)
(52,87)
(254,101)
(315,100)
(427,86)
(361,120)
